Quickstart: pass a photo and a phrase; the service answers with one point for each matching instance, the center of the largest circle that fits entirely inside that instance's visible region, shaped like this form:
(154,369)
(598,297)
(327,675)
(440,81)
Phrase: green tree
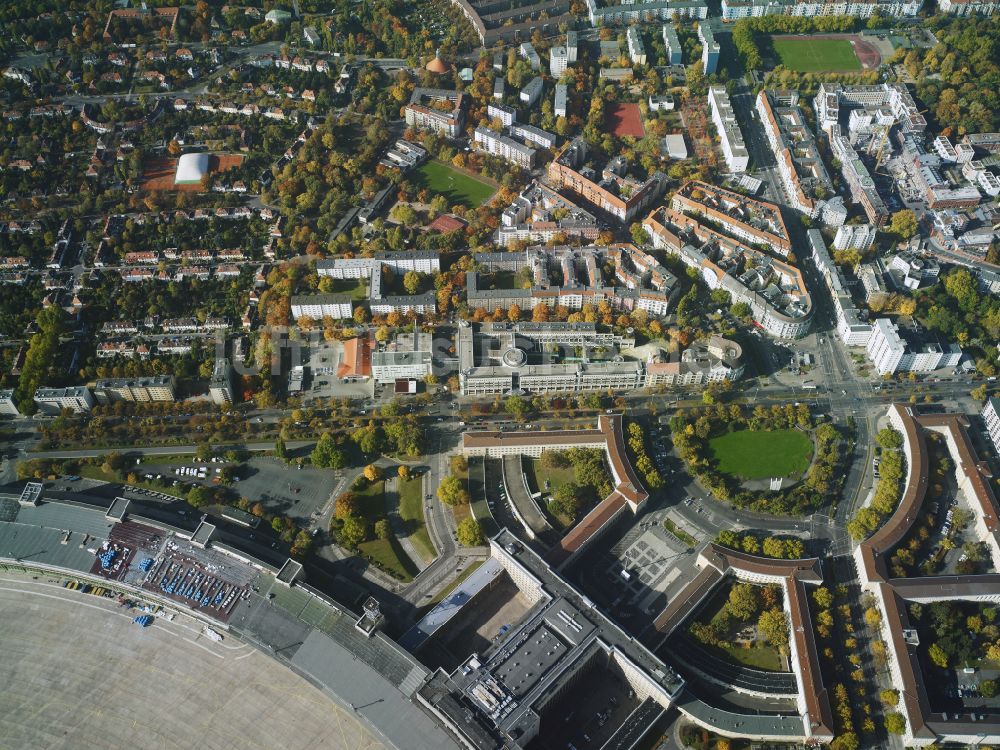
(938,656)
(352,532)
(279,448)
(382,530)
(204,452)
(889,697)
(566,500)
(889,438)
(773,626)
(516,406)
(199,496)
(743,601)
(470,533)
(326,454)
(451,491)
(895,723)
(903,224)
(347,504)
(988,688)
(411,282)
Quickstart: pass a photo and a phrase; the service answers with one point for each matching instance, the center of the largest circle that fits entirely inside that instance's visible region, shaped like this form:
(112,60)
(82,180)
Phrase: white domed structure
(191,168)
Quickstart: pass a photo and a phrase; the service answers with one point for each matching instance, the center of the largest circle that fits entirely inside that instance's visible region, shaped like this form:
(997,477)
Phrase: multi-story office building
(675,53)
(54,400)
(319,306)
(893,349)
(7,405)
(708,361)
(734,150)
(709,49)
(426,111)
(855,237)
(221,388)
(611,189)
(636,49)
(408,357)
(154,388)
(505,147)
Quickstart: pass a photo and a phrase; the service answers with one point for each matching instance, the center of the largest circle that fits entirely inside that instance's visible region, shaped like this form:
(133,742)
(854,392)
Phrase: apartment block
(319,306)
(505,147)
(7,405)
(155,388)
(710,49)
(675,53)
(559,101)
(644,12)
(539,214)
(440,110)
(611,189)
(54,400)
(505,114)
(533,135)
(532,91)
(852,324)
(748,219)
(222,388)
(855,237)
(558,61)
(968,7)
(991,416)
(527,51)
(636,49)
(733,10)
(734,149)
(861,184)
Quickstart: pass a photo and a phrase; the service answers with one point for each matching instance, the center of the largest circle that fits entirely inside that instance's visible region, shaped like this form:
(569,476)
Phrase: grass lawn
(556,478)
(456,186)
(678,532)
(761,454)
(411,510)
(386,552)
(816,55)
(758,657)
(354,287)
(757,654)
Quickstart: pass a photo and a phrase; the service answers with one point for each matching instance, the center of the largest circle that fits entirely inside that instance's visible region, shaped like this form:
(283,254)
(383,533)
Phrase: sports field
(816,55)
(456,186)
(761,454)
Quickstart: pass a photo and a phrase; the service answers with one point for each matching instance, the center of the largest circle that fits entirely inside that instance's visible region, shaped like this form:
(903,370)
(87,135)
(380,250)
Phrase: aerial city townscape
(500,374)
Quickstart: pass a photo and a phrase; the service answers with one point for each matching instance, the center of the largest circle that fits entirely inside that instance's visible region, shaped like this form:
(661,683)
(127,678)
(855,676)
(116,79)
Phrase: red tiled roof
(357,362)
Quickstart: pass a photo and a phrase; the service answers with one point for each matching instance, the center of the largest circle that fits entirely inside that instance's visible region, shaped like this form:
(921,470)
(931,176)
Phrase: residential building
(968,7)
(774,290)
(439,110)
(860,182)
(499,87)
(531,134)
(527,51)
(54,400)
(800,166)
(539,214)
(319,306)
(675,53)
(505,147)
(644,11)
(855,237)
(894,348)
(222,387)
(749,219)
(572,46)
(991,416)
(734,149)
(532,91)
(559,102)
(7,405)
(505,114)
(611,190)
(709,49)
(733,10)
(636,49)
(558,61)
(909,270)
(831,98)
(407,357)
(153,388)
(852,324)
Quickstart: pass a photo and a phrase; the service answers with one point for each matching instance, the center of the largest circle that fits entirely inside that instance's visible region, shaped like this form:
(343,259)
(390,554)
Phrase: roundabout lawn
(761,454)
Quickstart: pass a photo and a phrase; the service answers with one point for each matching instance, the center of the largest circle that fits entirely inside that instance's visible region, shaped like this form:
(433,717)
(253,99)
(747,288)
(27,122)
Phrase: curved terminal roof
(191,168)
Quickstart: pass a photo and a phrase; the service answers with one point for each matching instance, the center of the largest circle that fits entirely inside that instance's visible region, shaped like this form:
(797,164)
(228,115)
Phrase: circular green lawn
(761,454)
